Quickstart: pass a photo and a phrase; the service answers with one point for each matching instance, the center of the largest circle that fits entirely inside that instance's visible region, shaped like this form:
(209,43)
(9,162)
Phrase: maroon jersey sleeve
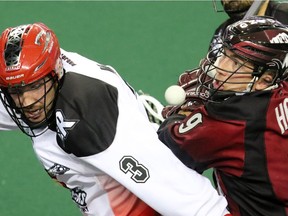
(197,141)
(245,139)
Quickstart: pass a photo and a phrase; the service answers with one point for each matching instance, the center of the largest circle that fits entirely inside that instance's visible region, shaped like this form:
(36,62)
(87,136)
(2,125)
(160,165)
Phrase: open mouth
(34,115)
(218,85)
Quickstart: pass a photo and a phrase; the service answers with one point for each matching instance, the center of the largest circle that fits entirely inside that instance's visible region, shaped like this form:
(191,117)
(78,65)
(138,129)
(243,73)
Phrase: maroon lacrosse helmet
(261,40)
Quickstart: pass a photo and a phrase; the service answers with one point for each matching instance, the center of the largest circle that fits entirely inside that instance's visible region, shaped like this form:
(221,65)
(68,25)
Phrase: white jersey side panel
(85,184)
(6,123)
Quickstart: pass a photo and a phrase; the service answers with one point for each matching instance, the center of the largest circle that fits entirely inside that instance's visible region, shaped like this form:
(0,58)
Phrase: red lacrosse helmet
(29,53)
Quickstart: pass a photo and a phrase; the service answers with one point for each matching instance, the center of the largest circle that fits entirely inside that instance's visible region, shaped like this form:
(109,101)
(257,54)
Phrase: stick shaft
(263,8)
(254,8)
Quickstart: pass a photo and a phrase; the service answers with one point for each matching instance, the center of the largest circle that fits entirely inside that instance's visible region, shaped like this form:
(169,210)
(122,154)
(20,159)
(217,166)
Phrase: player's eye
(15,91)
(35,86)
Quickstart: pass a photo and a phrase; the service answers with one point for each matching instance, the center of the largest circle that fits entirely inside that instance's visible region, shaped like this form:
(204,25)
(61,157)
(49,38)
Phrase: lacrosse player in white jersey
(91,132)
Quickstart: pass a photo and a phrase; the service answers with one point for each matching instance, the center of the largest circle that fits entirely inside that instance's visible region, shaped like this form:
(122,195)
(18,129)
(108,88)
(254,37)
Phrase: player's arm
(142,164)
(116,138)
(146,167)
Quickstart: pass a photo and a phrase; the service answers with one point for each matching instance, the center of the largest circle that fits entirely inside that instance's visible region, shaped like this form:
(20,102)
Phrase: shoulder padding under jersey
(86,115)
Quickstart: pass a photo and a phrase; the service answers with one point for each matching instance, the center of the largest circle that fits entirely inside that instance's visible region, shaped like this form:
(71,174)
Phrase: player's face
(34,100)
(232,73)
(235,74)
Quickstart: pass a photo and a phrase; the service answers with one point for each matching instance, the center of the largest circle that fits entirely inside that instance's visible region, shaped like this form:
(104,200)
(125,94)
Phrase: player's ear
(264,81)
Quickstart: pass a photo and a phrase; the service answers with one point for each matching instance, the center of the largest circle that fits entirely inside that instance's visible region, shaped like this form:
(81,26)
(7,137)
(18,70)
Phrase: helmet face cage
(258,41)
(209,68)
(17,113)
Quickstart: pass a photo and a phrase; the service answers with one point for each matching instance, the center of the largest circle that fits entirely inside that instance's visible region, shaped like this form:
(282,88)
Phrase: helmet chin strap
(250,85)
(271,87)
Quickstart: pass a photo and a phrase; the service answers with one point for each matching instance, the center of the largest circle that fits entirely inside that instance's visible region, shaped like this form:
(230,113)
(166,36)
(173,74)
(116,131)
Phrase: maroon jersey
(245,139)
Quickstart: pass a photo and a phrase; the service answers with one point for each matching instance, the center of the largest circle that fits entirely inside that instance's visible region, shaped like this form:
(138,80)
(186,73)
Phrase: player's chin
(35,118)
(36,121)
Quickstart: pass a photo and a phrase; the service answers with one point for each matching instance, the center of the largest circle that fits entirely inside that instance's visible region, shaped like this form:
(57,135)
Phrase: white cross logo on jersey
(63,125)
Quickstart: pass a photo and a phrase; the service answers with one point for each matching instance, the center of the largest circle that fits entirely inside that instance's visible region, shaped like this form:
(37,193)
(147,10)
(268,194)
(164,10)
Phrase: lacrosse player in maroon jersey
(239,123)
(92,134)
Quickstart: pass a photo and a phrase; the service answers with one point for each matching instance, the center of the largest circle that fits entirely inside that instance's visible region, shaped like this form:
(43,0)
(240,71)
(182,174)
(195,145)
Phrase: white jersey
(108,155)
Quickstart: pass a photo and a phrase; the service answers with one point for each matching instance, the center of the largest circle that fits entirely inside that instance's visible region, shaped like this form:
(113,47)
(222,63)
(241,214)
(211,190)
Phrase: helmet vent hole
(13,45)
(27,29)
(255,50)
